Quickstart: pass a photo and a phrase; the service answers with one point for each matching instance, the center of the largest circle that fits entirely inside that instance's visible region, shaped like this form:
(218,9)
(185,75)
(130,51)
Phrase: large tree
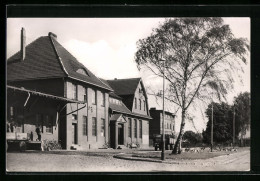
(199,56)
(222,123)
(242,113)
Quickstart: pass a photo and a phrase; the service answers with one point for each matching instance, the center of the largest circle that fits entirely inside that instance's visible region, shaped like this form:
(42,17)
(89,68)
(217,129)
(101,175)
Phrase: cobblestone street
(105,162)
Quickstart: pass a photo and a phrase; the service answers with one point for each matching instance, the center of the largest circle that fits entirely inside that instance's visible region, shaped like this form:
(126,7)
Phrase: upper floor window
(74,117)
(144,105)
(94,96)
(85,95)
(140,104)
(74,91)
(135,103)
(103,99)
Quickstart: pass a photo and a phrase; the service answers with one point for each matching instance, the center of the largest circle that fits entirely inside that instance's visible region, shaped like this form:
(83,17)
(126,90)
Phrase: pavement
(118,161)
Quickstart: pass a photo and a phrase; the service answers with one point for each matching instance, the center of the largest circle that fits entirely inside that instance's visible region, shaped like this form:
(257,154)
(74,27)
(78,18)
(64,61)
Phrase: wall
(87,141)
(140,96)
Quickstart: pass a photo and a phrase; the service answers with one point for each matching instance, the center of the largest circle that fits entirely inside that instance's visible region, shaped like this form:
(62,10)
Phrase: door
(120,134)
(74,133)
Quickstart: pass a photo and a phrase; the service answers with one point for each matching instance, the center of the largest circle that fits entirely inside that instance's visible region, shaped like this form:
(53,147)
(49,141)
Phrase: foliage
(199,56)
(242,112)
(222,123)
(223,115)
(51,145)
(192,137)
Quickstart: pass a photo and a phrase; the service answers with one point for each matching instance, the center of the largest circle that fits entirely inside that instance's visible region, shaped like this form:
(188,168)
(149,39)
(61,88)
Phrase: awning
(118,118)
(44,95)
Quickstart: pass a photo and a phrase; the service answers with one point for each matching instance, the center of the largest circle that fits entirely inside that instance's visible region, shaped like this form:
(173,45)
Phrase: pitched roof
(124,86)
(46,58)
(119,108)
(40,62)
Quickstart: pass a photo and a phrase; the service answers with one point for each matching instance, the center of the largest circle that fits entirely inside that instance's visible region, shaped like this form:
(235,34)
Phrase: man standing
(38,131)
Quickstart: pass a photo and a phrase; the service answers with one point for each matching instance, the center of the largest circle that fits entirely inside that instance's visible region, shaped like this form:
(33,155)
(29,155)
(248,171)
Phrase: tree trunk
(177,146)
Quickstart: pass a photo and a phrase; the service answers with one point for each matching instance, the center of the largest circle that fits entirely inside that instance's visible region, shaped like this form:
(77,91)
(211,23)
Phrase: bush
(51,145)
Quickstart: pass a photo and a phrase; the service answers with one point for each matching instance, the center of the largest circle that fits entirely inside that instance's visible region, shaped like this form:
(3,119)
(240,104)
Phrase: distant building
(156,124)
(90,113)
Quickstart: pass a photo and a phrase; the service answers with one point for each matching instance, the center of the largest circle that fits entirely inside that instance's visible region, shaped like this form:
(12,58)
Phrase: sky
(106,46)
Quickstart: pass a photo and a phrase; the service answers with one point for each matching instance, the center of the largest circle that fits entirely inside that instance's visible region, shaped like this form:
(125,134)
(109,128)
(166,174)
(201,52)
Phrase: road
(42,162)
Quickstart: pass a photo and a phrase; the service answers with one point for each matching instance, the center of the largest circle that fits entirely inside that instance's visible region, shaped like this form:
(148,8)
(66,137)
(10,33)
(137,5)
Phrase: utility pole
(163,134)
(234,126)
(212,127)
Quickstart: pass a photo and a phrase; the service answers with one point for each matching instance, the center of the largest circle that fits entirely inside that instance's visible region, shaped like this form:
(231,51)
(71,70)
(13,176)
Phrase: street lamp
(163,134)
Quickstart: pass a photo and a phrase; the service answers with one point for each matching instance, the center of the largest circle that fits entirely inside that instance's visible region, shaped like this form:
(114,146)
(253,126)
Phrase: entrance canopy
(49,96)
(118,118)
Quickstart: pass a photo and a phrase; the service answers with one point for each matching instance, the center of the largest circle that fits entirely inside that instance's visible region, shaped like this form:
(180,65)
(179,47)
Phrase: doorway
(74,133)
(120,134)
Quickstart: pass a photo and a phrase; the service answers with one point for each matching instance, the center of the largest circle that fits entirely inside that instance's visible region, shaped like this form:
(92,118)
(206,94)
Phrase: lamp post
(163,134)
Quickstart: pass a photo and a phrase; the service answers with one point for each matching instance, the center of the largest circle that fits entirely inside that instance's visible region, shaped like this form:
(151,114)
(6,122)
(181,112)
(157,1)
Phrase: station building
(91,113)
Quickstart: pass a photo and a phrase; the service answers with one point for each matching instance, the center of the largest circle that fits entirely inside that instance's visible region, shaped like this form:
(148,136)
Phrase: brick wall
(98,111)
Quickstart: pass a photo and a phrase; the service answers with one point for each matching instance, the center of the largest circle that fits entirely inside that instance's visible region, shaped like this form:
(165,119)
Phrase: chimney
(52,35)
(23,44)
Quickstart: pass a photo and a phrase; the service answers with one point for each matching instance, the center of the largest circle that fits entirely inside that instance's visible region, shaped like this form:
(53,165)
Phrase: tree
(192,137)
(199,55)
(222,123)
(242,113)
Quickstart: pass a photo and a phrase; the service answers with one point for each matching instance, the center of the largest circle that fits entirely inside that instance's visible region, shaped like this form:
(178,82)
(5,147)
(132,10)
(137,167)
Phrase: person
(38,131)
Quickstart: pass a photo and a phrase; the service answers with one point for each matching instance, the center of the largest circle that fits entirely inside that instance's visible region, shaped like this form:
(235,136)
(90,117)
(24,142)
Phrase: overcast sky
(107,46)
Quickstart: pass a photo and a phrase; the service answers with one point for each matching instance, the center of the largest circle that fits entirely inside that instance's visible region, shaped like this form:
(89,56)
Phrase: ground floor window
(94,126)
(102,127)
(49,124)
(140,129)
(135,129)
(85,125)
(129,127)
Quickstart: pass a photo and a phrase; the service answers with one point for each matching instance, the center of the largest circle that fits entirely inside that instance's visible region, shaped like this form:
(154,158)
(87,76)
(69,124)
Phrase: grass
(185,155)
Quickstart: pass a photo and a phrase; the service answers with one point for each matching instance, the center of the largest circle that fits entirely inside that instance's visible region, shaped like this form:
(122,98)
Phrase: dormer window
(82,71)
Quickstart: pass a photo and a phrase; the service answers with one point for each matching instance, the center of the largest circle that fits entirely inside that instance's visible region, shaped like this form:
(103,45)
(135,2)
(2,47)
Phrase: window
(85,96)
(129,127)
(140,129)
(11,111)
(74,91)
(140,104)
(135,129)
(94,126)
(49,124)
(94,97)
(102,127)
(103,99)
(85,125)
(82,71)
(39,121)
(135,103)
(74,117)
(144,105)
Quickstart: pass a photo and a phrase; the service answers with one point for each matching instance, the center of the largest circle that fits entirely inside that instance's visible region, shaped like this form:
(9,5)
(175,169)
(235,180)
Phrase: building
(47,67)
(156,124)
(128,113)
(91,113)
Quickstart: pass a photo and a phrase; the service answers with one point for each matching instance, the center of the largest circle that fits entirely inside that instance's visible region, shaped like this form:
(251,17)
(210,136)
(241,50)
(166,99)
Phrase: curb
(125,157)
